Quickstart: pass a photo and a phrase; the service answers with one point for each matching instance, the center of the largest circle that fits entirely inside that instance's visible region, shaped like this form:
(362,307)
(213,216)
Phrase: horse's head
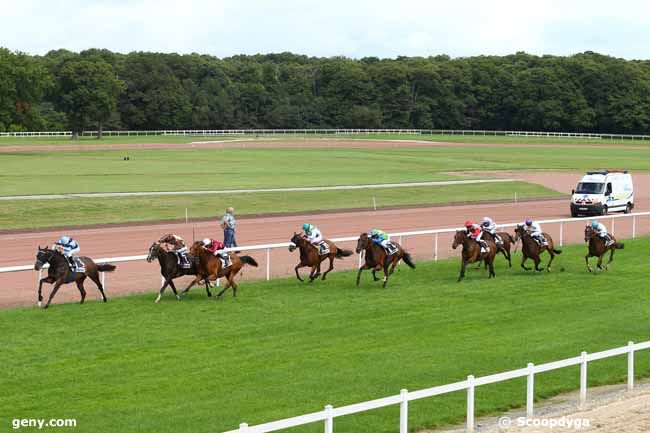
(363,242)
(296,241)
(196,249)
(459,238)
(153,252)
(519,231)
(43,256)
(589,232)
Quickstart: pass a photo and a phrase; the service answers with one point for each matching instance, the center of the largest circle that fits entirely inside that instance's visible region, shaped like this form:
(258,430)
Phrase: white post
(374,202)
(634,227)
(435,249)
(530,390)
(515,196)
(268,264)
(561,233)
(104,280)
(329,421)
(40,275)
(186,215)
(630,366)
(470,404)
(162,280)
(583,378)
(361,256)
(404,412)
(613,227)
(243,428)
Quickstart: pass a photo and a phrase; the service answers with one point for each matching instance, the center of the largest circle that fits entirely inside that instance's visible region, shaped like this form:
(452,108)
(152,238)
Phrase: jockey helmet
(529,222)
(306,226)
(594,224)
(469,223)
(64,240)
(486,219)
(374,233)
(206,242)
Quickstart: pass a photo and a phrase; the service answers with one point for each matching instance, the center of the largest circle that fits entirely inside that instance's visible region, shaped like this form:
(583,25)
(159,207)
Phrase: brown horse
(376,259)
(59,273)
(210,267)
(311,256)
(531,249)
(598,248)
(472,252)
(507,241)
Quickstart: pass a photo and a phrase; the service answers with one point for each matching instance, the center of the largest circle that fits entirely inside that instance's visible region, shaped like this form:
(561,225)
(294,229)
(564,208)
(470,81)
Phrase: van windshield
(590,188)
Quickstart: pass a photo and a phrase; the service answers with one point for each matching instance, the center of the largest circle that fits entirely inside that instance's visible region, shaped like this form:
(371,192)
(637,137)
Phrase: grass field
(21,214)
(283,348)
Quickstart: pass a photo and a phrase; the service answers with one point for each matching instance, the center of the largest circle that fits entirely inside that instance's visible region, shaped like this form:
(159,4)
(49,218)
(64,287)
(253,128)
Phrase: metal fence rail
(328,131)
(402,399)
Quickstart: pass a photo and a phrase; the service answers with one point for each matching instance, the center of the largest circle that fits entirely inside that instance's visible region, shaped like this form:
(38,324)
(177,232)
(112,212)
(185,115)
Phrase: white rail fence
(330,131)
(329,413)
(400,236)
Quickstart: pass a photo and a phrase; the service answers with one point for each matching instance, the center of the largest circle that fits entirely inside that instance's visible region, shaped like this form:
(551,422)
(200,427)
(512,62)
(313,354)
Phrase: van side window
(609,189)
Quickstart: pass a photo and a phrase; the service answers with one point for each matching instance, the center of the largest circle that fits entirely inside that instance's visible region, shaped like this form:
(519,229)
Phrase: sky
(325,28)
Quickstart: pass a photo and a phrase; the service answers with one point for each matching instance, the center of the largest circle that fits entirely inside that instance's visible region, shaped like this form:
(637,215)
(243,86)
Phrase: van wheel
(628,208)
(604,212)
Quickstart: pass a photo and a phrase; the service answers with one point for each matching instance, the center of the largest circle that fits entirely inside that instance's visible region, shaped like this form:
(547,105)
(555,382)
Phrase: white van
(600,192)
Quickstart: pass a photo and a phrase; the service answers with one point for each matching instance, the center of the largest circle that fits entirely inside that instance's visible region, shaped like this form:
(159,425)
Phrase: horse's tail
(407,259)
(557,251)
(248,260)
(106,267)
(619,245)
(340,253)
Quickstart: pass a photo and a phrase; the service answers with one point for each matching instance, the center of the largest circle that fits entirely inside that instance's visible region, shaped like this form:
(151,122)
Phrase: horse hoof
(40,304)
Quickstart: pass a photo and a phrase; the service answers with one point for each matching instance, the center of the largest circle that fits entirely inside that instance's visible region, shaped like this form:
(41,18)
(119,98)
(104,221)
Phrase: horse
(310,256)
(170,269)
(507,241)
(598,248)
(210,267)
(531,249)
(472,252)
(376,259)
(59,273)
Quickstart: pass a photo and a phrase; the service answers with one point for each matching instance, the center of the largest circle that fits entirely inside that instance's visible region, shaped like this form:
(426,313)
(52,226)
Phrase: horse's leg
(552,254)
(313,274)
(611,258)
(463,265)
(82,291)
(207,287)
(523,260)
(331,266)
(98,283)
(162,289)
(234,285)
(225,287)
(386,271)
(600,261)
(192,283)
(359,273)
(54,290)
(298,266)
(587,262)
(491,266)
(537,261)
(173,286)
(374,274)
(48,280)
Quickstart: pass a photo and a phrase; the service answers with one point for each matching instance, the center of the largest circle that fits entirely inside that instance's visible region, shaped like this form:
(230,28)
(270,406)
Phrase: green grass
(21,214)
(283,348)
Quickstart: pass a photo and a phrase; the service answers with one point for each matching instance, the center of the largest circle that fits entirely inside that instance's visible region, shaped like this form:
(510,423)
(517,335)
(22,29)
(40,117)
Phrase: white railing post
(634,227)
(40,275)
(435,248)
(162,280)
(404,412)
(470,404)
(268,264)
(530,390)
(613,227)
(583,378)
(561,233)
(243,428)
(104,280)
(329,420)
(630,366)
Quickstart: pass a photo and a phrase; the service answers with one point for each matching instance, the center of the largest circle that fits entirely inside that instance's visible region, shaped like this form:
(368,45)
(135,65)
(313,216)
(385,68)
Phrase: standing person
(228,224)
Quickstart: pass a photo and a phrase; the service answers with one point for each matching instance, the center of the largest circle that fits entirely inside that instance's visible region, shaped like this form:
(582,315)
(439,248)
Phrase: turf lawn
(285,348)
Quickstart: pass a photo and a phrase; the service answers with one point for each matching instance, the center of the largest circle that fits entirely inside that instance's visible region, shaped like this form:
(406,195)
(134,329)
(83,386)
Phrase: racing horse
(310,256)
(376,259)
(210,267)
(59,273)
(170,269)
(507,241)
(598,248)
(472,252)
(531,249)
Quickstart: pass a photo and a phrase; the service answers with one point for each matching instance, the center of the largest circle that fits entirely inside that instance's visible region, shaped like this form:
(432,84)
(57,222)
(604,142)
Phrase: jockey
(216,248)
(314,237)
(176,244)
(380,238)
(67,247)
(535,231)
(474,231)
(488,225)
(600,229)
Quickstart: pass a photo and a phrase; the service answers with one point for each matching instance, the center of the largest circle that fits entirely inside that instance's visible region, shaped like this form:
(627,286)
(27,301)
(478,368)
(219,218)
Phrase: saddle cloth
(323,248)
(225,262)
(391,248)
(78,268)
(183,260)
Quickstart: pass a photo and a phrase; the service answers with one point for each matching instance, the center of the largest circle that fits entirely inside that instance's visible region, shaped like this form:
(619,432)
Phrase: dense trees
(98,89)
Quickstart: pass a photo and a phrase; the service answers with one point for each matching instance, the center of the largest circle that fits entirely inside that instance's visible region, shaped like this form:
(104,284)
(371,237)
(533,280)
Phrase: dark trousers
(229,238)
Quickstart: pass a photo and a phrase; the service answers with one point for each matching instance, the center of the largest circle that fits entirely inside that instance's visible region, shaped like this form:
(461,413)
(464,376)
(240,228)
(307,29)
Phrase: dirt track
(18,289)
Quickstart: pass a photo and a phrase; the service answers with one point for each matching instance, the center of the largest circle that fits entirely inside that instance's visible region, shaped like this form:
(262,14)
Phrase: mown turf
(20,214)
(283,348)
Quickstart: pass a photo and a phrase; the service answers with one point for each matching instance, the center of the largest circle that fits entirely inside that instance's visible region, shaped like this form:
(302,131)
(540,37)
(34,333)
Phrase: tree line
(99,89)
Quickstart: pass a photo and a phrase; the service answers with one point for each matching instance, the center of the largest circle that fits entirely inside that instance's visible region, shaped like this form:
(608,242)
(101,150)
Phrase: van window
(590,188)
(609,189)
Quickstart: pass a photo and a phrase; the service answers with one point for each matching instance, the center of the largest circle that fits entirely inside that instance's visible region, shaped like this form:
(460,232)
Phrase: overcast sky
(330,27)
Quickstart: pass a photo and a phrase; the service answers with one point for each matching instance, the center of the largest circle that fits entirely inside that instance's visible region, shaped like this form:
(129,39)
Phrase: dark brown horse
(210,267)
(310,256)
(59,273)
(170,269)
(376,259)
(472,252)
(531,249)
(507,242)
(598,248)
